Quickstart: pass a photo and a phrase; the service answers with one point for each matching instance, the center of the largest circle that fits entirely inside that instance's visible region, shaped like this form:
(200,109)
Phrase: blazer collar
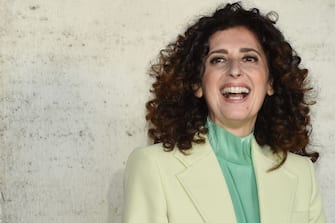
(206,187)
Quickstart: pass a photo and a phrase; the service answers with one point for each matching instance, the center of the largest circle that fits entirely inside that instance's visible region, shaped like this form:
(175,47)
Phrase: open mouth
(235,93)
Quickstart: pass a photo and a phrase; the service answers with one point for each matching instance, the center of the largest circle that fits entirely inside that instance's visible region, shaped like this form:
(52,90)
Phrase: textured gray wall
(73,85)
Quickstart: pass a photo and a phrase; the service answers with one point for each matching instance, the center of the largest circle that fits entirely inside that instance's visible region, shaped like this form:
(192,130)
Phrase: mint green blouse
(234,156)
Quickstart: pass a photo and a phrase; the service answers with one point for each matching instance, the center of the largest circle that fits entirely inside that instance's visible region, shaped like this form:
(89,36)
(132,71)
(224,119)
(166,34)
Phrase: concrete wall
(73,85)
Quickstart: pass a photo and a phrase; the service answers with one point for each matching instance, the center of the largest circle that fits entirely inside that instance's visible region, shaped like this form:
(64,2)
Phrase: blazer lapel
(276,189)
(206,187)
(204,183)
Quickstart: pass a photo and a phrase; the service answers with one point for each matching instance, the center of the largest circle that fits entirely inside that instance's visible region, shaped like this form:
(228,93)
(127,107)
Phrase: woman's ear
(197,90)
(270,90)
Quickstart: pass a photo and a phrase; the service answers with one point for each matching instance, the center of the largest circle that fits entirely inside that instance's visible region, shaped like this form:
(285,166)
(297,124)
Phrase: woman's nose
(235,69)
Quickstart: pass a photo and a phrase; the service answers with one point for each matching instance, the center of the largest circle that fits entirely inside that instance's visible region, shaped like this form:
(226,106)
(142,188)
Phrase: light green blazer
(169,187)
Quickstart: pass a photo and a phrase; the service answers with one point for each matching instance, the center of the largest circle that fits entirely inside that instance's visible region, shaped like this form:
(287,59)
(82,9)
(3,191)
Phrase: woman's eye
(216,60)
(250,59)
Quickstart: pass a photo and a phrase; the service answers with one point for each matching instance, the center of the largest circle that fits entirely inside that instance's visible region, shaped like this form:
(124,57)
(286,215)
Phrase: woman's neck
(236,128)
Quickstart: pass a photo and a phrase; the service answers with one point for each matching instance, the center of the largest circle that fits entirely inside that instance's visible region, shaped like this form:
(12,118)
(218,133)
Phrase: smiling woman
(236,79)
(230,123)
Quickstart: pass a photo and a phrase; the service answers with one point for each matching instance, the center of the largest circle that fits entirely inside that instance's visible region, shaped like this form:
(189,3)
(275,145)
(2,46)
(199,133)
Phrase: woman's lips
(235,93)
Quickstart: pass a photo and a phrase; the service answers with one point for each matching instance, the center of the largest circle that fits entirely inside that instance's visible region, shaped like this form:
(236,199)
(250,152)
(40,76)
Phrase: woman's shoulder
(294,163)
(292,160)
(297,160)
(300,165)
(158,155)
(151,155)
(153,160)
(155,150)
(158,150)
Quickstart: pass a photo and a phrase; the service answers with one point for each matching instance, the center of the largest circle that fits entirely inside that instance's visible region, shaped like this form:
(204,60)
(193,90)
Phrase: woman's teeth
(235,92)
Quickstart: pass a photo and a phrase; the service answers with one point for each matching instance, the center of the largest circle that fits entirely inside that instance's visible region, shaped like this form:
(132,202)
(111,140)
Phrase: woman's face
(235,80)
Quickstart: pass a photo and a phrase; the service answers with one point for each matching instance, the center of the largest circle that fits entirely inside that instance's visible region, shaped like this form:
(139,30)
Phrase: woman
(230,122)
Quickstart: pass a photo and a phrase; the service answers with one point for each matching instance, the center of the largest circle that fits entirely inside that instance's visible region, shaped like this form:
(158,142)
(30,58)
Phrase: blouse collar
(228,146)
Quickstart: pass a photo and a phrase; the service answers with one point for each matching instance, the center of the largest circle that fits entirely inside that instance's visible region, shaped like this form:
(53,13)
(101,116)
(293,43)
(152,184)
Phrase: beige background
(73,85)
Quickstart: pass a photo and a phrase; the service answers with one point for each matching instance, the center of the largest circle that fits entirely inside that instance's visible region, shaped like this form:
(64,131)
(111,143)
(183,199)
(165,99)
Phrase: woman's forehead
(234,37)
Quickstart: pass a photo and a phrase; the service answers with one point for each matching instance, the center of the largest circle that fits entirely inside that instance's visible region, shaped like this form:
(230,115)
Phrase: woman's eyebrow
(218,51)
(246,50)
(242,50)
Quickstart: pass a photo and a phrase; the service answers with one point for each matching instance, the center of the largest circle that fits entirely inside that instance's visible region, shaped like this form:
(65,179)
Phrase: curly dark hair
(177,117)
